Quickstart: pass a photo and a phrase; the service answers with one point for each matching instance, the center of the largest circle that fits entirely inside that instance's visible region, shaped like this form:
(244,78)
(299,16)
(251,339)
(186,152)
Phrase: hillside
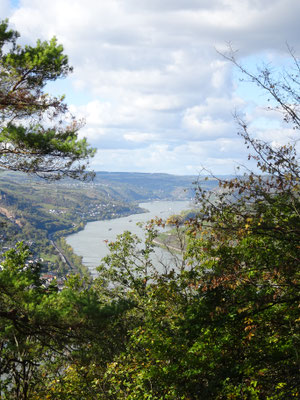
(41,213)
(38,212)
(135,186)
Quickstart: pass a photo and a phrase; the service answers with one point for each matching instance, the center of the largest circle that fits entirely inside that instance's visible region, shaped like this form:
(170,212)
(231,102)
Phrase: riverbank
(91,243)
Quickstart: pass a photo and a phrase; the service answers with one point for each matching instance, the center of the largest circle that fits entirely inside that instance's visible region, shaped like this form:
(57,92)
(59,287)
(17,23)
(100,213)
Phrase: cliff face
(9,214)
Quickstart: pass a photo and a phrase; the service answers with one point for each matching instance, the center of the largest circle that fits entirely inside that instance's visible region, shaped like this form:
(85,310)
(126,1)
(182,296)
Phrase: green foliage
(226,325)
(129,265)
(223,324)
(44,331)
(27,143)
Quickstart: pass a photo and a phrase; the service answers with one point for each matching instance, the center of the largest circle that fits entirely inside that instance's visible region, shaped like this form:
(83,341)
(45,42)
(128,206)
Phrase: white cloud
(188,158)
(139,137)
(5,8)
(158,92)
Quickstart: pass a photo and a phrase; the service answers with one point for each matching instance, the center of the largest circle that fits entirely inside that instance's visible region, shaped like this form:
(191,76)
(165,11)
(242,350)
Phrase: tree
(46,334)
(226,326)
(37,136)
(38,324)
(223,324)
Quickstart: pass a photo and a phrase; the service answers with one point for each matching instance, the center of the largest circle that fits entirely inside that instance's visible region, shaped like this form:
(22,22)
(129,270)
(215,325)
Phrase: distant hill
(126,186)
(136,186)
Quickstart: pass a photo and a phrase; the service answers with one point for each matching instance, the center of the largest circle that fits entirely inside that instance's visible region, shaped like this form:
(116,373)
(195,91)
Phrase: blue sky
(15,3)
(154,92)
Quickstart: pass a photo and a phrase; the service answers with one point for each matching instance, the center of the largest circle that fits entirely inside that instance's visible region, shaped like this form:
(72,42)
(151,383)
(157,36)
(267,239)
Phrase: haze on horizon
(154,92)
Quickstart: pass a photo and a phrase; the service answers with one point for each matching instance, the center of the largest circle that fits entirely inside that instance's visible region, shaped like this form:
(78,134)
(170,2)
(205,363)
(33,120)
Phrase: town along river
(91,243)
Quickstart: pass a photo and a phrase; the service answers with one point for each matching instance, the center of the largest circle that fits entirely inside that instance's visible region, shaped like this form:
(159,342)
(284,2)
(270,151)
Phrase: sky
(149,80)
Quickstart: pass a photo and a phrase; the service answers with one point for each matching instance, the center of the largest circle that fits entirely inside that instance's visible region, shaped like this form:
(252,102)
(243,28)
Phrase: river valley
(91,243)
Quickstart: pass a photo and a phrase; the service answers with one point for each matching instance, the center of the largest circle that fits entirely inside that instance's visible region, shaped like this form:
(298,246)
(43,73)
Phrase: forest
(223,323)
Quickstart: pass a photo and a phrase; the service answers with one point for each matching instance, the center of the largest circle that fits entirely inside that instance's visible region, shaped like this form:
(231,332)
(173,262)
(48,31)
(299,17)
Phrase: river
(91,244)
